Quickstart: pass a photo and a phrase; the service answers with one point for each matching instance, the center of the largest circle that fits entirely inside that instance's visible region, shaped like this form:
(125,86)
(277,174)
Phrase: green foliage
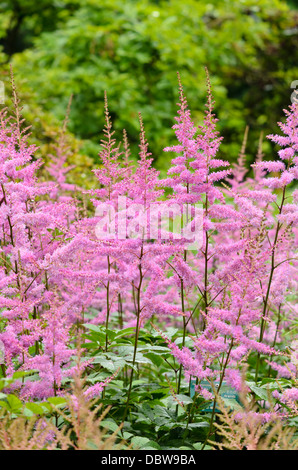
(133,51)
(158,417)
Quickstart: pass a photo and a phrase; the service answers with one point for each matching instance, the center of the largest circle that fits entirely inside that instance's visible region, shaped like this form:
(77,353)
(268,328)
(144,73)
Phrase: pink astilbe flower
(57,167)
(242,257)
(53,362)
(288,166)
(29,237)
(207,251)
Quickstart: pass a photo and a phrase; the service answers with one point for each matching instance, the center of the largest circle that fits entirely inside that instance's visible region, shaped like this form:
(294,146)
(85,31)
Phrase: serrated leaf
(110,425)
(12,403)
(126,331)
(35,408)
(92,327)
(186,400)
(57,401)
(260,392)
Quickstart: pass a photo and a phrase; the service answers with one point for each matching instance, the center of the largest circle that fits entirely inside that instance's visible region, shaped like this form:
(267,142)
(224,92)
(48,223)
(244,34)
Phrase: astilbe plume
(243,281)
(27,243)
(57,167)
(83,429)
(252,430)
(192,179)
(26,434)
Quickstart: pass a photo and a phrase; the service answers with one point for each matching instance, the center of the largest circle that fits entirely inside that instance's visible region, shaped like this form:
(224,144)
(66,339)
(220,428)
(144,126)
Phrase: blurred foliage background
(133,50)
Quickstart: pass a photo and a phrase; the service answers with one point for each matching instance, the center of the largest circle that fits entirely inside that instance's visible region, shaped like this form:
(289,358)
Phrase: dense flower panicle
(111,176)
(288,166)
(190,174)
(242,255)
(35,223)
(58,167)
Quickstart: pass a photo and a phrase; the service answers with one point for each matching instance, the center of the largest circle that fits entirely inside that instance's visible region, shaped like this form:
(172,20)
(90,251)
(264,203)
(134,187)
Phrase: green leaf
(35,408)
(151,445)
(203,424)
(186,400)
(12,403)
(110,425)
(57,401)
(148,412)
(138,442)
(156,359)
(126,331)
(260,392)
(92,327)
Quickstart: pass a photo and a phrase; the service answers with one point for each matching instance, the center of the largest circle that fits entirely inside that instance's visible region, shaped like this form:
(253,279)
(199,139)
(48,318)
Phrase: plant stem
(108,305)
(263,321)
(218,390)
(136,335)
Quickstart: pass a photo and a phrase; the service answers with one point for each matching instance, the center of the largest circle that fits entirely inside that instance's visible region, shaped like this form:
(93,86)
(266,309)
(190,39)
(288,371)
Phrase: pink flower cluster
(233,295)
